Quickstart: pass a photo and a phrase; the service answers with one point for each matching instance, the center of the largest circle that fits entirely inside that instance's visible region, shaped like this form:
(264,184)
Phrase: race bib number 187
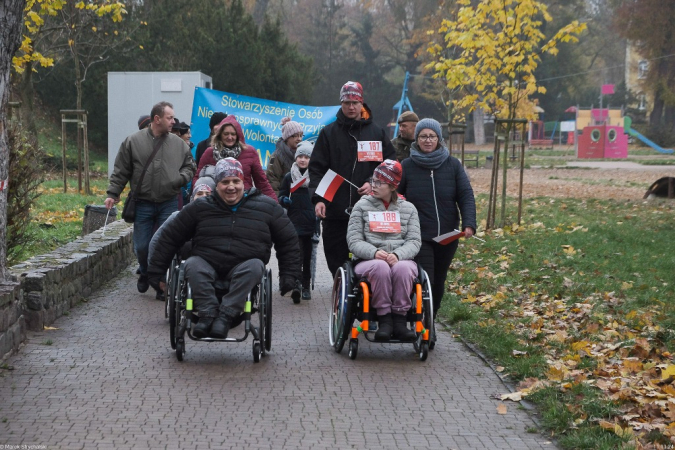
(369,151)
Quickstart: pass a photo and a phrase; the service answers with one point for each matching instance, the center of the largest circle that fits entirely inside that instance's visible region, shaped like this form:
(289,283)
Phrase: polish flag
(445,239)
(298,184)
(329,185)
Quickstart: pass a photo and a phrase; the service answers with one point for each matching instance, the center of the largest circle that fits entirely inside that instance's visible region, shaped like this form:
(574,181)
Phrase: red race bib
(384,221)
(369,151)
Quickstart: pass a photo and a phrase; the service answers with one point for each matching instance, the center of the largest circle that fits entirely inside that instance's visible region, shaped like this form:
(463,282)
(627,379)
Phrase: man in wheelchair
(232,234)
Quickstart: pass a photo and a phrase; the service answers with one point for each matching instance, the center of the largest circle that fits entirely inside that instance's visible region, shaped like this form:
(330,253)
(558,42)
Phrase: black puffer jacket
(439,196)
(336,149)
(301,211)
(225,238)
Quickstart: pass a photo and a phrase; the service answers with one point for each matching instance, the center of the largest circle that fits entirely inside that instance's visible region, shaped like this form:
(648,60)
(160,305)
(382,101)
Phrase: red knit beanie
(389,172)
(352,91)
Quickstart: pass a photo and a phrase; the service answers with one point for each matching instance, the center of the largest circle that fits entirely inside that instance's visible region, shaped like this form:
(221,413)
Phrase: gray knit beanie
(430,124)
(304,148)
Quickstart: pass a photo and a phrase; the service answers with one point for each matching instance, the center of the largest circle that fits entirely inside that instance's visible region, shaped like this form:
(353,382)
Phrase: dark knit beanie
(216,118)
(143,122)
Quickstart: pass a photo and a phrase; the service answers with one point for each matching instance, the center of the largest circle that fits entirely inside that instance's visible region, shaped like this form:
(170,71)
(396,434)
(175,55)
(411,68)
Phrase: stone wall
(47,285)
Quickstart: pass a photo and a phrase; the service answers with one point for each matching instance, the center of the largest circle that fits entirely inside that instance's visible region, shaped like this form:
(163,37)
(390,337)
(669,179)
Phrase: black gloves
(285,201)
(287,283)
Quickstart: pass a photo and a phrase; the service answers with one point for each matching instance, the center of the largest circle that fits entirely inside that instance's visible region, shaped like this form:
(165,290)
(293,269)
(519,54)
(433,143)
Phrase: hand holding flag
(329,185)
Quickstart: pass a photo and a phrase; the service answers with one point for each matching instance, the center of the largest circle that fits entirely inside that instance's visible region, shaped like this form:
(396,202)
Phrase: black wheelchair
(351,301)
(179,309)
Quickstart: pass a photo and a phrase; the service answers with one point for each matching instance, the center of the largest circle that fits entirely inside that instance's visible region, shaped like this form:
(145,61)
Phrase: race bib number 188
(384,221)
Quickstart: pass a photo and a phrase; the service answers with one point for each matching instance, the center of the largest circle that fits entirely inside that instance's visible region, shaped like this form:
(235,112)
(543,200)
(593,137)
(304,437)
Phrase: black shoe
(385,328)
(220,327)
(159,295)
(295,295)
(306,294)
(201,329)
(401,330)
(142,285)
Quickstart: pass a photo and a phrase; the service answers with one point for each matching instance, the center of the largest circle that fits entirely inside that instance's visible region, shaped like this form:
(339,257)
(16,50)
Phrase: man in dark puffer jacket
(336,148)
(232,233)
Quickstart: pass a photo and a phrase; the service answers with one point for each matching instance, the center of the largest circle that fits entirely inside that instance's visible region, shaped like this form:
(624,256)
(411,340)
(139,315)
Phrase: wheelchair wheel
(171,284)
(257,351)
(173,319)
(267,342)
(341,315)
(353,349)
(424,351)
(428,308)
(427,315)
(180,349)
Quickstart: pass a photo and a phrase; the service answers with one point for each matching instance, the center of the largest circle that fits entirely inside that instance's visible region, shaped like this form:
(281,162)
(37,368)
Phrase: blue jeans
(149,217)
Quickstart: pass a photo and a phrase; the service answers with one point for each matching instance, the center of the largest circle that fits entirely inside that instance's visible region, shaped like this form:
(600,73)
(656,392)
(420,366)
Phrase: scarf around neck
(296,175)
(220,152)
(432,160)
(285,154)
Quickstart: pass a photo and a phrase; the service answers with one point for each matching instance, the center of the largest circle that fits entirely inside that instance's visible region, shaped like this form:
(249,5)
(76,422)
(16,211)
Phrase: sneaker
(159,295)
(201,329)
(142,284)
(401,330)
(306,294)
(296,293)
(220,327)
(386,328)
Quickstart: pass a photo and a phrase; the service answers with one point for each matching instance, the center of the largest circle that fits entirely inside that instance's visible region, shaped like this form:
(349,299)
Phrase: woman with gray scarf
(228,142)
(438,186)
(284,155)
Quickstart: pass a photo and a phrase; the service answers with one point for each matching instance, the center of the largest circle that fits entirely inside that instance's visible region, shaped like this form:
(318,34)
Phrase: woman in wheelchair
(384,236)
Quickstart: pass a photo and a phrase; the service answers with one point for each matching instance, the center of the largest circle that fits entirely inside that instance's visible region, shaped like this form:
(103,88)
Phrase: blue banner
(260,119)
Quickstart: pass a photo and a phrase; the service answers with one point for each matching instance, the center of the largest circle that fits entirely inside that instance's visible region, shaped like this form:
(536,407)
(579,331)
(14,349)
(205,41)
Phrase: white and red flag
(298,184)
(445,239)
(329,185)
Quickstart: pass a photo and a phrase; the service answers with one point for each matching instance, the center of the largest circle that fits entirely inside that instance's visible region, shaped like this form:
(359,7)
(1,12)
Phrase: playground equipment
(627,126)
(602,134)
(404,102)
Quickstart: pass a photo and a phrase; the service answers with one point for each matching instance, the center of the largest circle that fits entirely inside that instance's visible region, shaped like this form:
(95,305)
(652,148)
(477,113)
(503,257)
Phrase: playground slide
(651,144)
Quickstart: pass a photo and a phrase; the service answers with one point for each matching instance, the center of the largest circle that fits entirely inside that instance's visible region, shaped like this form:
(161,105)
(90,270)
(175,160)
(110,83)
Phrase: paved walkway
(109,379)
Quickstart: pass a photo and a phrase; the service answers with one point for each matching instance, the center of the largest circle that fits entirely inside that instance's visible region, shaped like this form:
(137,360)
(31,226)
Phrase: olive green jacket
(172,168)
(402,147)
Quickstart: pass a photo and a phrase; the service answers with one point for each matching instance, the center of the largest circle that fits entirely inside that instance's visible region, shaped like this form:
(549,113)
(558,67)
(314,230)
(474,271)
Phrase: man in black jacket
(337,148)
(232,233)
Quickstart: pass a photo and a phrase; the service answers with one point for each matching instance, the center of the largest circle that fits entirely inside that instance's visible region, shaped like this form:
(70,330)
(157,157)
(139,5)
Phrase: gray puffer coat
(364,243)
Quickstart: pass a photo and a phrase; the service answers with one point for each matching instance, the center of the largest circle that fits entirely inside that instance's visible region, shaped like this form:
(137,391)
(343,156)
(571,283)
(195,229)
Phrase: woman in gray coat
(384,234)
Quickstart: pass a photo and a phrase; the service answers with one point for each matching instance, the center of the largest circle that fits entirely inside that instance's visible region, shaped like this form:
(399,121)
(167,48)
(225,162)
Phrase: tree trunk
(27,94)
(260,11)
(479,126)
(11,21)
(657,111)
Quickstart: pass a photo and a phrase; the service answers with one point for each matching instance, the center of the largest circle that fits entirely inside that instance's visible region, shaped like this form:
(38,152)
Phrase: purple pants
(391,286)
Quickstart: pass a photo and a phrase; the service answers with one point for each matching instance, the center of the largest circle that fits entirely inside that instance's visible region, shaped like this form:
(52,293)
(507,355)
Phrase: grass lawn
(57,216)
(576,305)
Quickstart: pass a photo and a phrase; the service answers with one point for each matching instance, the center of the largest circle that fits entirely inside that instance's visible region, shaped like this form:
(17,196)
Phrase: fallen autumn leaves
(551,287)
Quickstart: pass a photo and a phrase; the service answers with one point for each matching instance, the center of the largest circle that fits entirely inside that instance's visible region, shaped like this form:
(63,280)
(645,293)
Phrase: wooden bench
(469,156)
